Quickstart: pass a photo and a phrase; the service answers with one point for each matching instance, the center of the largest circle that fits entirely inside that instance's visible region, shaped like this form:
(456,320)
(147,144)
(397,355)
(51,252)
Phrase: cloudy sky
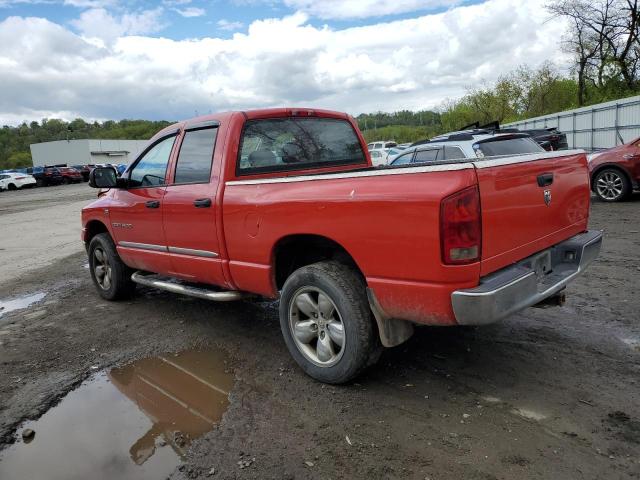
(173,59)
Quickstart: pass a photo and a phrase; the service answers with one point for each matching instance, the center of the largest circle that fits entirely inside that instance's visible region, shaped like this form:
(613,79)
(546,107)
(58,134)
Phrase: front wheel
(110,275)
(611,185)
(326,321)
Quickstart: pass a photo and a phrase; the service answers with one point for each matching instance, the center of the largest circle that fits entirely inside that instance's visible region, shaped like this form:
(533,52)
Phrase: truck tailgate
(530,203)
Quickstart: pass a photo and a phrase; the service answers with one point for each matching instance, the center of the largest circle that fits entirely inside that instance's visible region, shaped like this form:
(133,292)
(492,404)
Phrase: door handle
(202,203)
(545,179)
(152,204)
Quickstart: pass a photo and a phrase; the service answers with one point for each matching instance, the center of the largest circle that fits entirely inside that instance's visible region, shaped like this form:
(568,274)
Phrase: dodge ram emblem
(547,197)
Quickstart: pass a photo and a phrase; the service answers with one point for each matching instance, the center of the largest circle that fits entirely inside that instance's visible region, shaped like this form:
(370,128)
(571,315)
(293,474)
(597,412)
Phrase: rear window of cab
(285,144)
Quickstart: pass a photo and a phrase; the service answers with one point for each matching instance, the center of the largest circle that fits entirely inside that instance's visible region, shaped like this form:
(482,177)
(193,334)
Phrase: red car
(70,175)
(285,203)
(615,173)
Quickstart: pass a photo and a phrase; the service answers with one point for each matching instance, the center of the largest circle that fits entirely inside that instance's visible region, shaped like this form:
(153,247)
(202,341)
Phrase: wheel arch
(93,228)
(298,250)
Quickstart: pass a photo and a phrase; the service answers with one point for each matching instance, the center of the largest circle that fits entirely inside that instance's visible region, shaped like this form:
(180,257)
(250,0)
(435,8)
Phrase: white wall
(596,127)
(74,152)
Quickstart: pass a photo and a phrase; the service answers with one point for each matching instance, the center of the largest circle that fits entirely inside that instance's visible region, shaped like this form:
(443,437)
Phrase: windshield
(506,146)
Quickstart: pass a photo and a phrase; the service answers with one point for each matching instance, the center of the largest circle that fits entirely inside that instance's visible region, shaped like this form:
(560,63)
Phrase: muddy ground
(550,393)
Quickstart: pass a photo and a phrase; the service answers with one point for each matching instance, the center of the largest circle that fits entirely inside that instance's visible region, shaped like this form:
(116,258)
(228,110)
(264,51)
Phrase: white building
(87,151)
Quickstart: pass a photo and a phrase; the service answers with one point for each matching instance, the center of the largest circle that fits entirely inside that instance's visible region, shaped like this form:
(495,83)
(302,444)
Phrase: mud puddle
(131,422)
(20,303)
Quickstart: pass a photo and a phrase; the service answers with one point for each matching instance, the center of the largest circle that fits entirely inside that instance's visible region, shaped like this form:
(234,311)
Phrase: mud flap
(392,331)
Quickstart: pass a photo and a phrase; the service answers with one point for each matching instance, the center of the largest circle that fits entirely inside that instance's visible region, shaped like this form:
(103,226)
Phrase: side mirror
(103,177)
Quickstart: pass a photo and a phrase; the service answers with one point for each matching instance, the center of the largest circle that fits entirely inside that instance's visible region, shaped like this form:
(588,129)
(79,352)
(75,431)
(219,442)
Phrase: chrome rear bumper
(527,282)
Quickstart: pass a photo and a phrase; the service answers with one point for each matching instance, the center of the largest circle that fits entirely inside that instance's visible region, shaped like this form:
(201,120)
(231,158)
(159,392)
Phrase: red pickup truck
(285,203)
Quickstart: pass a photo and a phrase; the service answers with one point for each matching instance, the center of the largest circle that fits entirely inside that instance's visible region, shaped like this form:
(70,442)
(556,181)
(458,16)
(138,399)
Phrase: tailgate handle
(545,179)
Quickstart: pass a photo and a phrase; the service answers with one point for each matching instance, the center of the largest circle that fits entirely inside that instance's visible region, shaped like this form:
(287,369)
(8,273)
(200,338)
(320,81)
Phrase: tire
(346,315)
(12,187)
(611,185)
(65,181)
(110,275)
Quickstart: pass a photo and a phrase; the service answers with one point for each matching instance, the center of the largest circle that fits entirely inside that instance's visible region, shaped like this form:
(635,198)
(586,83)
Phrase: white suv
(471,144)
(14,181)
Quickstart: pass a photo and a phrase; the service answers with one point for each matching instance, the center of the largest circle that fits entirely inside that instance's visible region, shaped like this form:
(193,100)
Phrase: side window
(451,153)
(196,155)
(151,169)
(375,155)
(427,155)
(282,144)
(403,159)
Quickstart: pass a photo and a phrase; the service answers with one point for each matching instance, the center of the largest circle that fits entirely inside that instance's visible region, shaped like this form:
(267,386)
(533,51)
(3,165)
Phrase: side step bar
(170,286)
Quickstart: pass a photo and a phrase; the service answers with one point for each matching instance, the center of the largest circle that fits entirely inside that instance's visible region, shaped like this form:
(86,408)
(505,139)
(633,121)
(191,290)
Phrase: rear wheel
(110,275)
(611,185)
(12,187)
(327,323)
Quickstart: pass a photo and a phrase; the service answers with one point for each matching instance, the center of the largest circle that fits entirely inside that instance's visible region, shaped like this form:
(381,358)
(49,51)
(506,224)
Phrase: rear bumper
(527,282)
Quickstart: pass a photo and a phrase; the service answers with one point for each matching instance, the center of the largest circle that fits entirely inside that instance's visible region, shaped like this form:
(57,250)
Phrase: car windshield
(506,146)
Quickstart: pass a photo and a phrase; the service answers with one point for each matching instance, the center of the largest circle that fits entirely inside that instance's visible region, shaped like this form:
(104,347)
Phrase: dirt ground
(548,394)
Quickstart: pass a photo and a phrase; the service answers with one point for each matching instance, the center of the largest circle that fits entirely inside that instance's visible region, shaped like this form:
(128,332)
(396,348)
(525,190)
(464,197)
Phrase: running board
(198,292)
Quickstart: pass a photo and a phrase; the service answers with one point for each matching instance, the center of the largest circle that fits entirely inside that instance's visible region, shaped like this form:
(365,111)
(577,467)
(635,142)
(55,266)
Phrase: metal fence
(596,127)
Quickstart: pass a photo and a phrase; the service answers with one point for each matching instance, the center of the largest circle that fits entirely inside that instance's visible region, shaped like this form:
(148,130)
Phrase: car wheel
(611,185)
(12,187)
(65,181)
(110,275)
(327,323)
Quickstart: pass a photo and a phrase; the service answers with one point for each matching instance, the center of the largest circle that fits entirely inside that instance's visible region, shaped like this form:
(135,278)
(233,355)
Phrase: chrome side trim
(531,157)
(191,251)
(143,246)
(171,286)
(367,173)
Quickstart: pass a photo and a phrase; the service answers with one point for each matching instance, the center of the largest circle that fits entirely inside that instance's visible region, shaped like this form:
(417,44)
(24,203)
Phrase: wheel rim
(102,268)
(610,185)
(316,326)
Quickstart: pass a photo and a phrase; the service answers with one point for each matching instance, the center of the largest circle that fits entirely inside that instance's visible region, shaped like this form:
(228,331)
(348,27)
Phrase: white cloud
(229,25)
(191,12)
(412,64)
(91,3)
(99,23)
(343,9)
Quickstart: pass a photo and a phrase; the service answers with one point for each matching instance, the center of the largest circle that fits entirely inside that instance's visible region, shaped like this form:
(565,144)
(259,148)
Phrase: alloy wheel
(316,326)
(102,268)
(610,185)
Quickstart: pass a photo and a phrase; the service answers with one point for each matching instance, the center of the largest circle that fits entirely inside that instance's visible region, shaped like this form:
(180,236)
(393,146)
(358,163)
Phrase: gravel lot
(550,393)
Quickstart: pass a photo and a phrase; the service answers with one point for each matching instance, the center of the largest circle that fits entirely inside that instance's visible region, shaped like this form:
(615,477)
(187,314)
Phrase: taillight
(461,227)
(20,178)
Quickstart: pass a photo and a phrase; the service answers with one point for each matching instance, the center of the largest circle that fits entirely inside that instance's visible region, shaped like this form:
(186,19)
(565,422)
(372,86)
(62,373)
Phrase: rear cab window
(286,144)
(506,145)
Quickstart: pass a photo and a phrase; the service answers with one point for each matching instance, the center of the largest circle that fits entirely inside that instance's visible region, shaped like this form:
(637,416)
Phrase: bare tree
(604,39)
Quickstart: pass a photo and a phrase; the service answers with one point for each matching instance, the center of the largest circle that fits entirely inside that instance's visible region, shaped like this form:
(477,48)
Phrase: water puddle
(131,422)
(20,303)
